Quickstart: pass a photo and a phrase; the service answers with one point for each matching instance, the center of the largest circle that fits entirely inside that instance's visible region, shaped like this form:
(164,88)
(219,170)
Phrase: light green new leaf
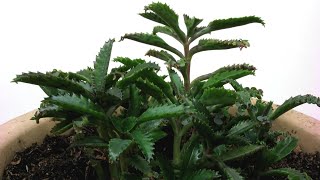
(168,16)
(164,111)
(240,152)
(226,23)
(144,142)
(101,66)
(294,102)
(116,147)
(215,96)
(215,44)
(290,173)
(153,40)
(136,72)
(54,81)
(191,24)
(77,104)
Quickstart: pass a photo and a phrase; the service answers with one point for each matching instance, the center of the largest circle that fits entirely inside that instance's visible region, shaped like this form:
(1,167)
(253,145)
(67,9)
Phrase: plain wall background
(66,35)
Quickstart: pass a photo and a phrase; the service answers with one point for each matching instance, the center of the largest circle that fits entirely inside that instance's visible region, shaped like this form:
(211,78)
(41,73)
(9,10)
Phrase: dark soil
(53,160)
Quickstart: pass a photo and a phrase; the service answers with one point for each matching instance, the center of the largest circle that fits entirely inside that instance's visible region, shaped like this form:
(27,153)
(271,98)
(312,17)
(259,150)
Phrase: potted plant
(169,127)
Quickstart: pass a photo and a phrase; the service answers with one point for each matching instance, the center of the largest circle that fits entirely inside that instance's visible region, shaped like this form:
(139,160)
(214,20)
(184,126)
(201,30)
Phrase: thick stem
(188,66)
(176,149)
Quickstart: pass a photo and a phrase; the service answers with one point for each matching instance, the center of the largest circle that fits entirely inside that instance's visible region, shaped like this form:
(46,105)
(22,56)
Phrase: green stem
(114,171)
(176,149)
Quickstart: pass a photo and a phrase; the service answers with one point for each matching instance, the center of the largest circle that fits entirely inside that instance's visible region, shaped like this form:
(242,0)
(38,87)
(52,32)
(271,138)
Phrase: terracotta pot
(20,133)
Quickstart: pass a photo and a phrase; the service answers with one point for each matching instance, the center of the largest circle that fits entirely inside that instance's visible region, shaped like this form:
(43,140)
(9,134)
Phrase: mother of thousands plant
(144,127)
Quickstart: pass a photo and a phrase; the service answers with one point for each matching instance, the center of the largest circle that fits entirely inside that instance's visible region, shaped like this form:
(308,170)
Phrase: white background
(66,35)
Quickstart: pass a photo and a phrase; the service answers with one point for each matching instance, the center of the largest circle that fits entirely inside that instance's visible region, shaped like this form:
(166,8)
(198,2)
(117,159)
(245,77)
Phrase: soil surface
(54,160)
(51,160)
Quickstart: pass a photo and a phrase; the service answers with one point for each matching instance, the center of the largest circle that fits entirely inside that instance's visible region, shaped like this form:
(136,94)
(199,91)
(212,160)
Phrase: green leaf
(163,55)
(225,74)
(50,110)
(229,173)
(149,88)
(51,80)
(62,127)
(215,44)
(190,155)
(191,24)
(290,173)
(153,40)
(156,135)
(166,168)
(166,30)
(202,174)
(91,141)
(124,125)
(87,73)
(281,150)
(153,17)
(294,102)
(163,85)
(140,164)
(168,16)
(144,142)
(215,96)
(135,101)
(164,111)
(101,66)
(241,127)
(207,132)
(136,72)
(117,146)
(176,82)
(129,63)
(226,23)
(78,104)
(240,152)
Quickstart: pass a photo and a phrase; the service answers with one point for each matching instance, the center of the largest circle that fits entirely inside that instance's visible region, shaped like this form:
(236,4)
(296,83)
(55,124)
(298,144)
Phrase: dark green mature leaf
(229,173)
(176,82)
(153,17)
(144,142)
(153,40)
(156,135)
(135,101)
(206,131)
(290,173)
(294,102)
(91,141)
(88,73)
(215,96)
(129,63)
(168,16)
(51,80)
(62,127)
(191,24)
(124,124)
(163,55)
(202,174)
(50,110)
(164,111)
(166,168)
(220,77)
(215,44)
(78,104)
(226,23)
(240,152)
(149,88)
(281,150)
(140,164)
(117,146)
(136,72)
(162,84)
(241,127)
(166,30)
(101,66)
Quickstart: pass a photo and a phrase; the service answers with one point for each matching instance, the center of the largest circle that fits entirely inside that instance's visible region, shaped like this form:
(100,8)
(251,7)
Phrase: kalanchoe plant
(146,127)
